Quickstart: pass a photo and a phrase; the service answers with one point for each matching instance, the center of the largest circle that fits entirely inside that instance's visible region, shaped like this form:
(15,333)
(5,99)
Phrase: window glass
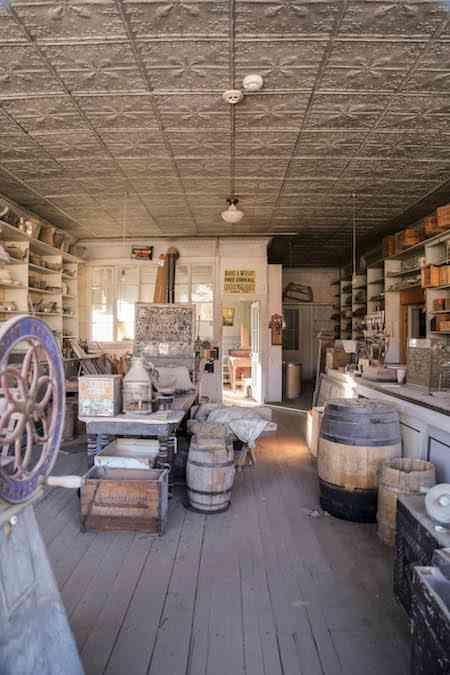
(148,281)
(203,298)
(182,283)
(127,296)
(102,290)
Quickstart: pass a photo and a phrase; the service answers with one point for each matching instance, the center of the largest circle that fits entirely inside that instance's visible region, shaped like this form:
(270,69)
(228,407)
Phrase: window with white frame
(116,289)
(102,304)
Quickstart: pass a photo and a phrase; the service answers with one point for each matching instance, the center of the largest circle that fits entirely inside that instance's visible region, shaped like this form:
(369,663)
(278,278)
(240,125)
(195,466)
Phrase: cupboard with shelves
(38,279)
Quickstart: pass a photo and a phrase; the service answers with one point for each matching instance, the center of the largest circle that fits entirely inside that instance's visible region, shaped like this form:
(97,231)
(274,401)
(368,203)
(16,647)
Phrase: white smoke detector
(232,96)
(253,82)
(232,214)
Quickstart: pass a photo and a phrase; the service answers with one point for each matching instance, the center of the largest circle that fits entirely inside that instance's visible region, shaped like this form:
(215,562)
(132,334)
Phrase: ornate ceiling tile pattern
(111,102)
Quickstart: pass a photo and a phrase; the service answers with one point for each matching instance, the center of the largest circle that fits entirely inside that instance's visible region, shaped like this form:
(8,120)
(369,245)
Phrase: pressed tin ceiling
(102,99)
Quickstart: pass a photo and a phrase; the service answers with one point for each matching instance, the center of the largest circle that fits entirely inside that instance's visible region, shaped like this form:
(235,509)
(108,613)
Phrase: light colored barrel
(400,476)
(210,473)
(356,437)
(313,422)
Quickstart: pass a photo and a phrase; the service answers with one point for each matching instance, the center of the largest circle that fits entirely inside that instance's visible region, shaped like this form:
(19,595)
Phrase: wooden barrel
(400,476)
(356,436)
(313,422)
(210,471)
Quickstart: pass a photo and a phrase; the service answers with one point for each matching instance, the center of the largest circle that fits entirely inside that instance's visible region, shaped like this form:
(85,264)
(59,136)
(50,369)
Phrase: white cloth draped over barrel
(246,423)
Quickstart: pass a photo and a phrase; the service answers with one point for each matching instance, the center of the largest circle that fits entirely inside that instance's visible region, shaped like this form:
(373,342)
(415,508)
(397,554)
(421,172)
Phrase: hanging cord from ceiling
(124,225)
(354,234)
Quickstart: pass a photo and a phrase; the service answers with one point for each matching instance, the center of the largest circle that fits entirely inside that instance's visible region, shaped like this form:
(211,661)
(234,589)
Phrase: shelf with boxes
(414,238)
(435,278)
(375,287)
(31,279)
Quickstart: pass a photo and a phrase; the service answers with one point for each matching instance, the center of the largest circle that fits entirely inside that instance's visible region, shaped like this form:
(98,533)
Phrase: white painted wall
(236,253)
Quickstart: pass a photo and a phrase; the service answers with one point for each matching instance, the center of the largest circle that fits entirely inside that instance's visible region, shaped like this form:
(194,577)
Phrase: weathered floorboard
(263,589)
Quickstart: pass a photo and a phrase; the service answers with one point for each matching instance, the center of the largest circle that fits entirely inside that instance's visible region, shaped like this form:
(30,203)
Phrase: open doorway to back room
(241,362)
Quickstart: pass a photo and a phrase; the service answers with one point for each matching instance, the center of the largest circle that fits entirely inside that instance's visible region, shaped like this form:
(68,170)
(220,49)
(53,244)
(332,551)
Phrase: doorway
(241,350)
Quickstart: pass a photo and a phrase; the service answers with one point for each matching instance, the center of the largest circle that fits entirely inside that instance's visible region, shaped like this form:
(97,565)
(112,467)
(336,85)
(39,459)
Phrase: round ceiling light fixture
(232,96)
(253,82)
(232,214)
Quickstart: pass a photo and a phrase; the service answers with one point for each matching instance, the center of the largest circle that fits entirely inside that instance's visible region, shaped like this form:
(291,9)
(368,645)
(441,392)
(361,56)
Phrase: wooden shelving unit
(32,294)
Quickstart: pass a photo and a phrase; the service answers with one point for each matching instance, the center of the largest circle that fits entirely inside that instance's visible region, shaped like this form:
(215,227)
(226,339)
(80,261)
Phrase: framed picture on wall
(228,316)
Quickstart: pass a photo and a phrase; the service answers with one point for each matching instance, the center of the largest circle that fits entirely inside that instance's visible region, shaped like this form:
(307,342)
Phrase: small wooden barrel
(399,476)
(210,471)
(356,436)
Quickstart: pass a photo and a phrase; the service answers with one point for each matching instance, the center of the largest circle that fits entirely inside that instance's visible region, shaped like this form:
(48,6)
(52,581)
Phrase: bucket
(400,476)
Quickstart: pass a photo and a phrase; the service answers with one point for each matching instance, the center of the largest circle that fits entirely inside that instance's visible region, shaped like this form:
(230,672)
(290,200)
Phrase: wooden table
(102,430)
(239,366)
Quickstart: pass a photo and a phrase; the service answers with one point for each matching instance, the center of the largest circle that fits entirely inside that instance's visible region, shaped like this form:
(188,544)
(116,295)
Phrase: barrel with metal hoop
(210,469)
(356,436)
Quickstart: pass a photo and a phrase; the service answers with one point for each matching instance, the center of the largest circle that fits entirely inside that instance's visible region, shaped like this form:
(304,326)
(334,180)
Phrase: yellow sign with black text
(239,281)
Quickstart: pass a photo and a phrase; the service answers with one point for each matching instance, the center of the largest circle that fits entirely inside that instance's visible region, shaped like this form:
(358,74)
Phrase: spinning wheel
(31,408)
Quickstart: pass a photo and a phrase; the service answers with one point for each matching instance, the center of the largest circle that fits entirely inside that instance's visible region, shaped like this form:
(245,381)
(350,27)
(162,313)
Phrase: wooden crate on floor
(129,500)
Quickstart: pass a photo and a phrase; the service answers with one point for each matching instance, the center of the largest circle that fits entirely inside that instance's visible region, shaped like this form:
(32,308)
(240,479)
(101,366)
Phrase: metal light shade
(232,214)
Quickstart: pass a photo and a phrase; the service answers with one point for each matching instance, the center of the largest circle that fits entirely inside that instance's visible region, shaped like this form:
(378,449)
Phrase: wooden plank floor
(263,589)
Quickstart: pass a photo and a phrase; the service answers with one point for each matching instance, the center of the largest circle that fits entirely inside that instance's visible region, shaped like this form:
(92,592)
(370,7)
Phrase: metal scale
(35,636)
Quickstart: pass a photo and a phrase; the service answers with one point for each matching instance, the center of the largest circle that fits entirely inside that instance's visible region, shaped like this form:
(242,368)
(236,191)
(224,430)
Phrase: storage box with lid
(99,395)
(127,500)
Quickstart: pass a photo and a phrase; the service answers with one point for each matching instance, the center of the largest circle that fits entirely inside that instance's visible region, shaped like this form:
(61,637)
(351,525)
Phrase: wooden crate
(430,226)
(389,246)
(444,324)
(444,275)
(99,395)
(415,542)
(408,237)
(430,615)
(126,500)
(430,276)
(336,358)
(443,217)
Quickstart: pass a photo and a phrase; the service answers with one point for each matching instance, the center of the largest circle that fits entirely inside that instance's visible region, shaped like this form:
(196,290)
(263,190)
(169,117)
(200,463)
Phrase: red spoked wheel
(32,406)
